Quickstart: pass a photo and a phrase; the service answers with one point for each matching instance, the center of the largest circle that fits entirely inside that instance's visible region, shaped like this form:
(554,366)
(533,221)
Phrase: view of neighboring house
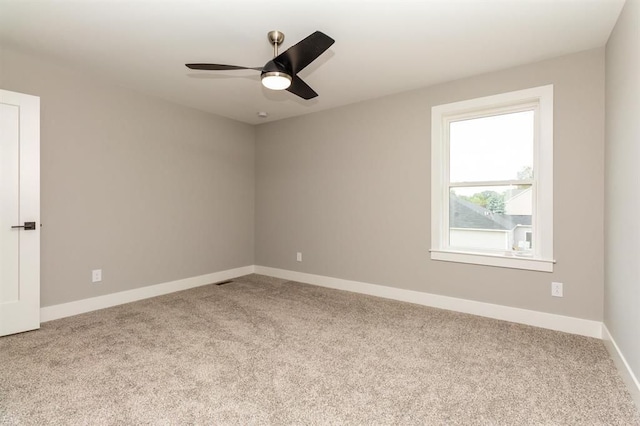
(474,226)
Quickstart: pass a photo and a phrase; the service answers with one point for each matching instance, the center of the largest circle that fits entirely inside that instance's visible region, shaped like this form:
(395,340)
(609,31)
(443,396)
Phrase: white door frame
(24,314)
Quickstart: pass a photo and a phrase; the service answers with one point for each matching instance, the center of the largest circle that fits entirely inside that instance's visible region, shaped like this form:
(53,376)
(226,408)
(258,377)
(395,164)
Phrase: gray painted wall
(152,192)
(622,183)
(350,189)
(146,190)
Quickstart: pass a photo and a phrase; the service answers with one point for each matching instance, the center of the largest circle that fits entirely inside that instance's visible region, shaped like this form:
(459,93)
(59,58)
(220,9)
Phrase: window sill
(514,262)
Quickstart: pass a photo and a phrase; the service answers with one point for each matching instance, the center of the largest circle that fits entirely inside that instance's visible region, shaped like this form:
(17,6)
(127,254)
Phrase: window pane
(491,218)
(493,148)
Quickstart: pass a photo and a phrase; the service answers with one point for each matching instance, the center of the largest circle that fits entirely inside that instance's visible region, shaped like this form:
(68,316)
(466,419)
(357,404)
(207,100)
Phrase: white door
(19,211)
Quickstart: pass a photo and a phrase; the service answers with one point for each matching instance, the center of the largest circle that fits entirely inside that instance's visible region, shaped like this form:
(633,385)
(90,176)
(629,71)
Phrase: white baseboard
(522,316)
(50,313)
(566,324)
(623,367)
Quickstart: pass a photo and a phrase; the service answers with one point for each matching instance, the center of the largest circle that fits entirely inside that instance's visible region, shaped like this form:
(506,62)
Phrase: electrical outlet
(96,275)
(556,289)
(299,257)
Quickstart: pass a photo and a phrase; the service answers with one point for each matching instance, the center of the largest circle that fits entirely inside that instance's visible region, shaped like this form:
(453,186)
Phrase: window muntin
(492,171)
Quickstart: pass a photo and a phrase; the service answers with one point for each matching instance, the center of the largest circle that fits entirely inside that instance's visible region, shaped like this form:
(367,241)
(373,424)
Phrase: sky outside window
(494,148)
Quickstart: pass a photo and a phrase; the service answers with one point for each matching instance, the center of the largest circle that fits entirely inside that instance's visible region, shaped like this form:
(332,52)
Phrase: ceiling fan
(280,73)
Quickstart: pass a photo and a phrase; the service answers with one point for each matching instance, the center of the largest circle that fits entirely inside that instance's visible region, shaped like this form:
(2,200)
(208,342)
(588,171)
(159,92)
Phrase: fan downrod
(275,38)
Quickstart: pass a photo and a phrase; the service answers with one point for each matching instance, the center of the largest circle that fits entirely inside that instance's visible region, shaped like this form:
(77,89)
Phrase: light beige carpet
(266,351)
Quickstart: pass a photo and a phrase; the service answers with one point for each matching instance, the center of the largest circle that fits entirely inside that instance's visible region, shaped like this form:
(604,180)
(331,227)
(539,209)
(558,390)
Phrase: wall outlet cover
(556,289)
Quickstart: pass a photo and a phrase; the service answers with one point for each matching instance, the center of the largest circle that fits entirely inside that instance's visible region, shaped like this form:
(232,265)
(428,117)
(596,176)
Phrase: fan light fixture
(275,80)
(278,73)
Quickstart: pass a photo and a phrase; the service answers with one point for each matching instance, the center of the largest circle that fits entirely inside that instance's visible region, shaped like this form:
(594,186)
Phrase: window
(492,180)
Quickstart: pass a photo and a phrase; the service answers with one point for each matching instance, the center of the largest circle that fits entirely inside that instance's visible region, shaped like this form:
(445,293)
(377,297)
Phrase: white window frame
(541,98)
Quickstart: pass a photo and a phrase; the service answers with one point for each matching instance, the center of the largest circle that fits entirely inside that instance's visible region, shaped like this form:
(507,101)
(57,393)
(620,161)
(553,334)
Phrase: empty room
(337,212)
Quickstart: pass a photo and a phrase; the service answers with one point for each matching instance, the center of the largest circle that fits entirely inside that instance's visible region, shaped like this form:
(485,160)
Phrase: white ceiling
(382,47)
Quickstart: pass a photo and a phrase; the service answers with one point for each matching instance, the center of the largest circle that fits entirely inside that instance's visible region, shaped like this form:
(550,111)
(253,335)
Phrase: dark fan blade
(300,88)
(220,67)
(306,51)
